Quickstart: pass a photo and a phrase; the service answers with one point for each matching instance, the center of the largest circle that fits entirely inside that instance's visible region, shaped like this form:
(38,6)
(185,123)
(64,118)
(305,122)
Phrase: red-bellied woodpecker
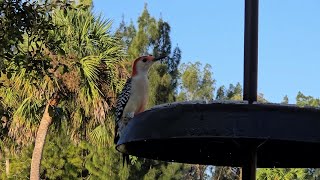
(134,95)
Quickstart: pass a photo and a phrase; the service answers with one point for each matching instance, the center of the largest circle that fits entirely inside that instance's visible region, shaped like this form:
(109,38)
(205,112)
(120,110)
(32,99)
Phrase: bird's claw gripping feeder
(246,134)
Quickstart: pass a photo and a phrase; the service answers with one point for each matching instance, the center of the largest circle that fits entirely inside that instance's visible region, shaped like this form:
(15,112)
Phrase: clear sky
(211,31)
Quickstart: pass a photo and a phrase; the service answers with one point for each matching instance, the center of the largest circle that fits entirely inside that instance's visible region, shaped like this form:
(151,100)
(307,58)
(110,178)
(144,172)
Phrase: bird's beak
(159,58)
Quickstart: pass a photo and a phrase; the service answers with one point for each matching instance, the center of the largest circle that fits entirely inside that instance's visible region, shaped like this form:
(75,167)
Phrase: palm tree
(97,61)
(75,67)
(93,77)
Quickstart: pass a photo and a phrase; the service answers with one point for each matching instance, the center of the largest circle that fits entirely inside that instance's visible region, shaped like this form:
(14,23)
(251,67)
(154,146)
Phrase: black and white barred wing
(121,104)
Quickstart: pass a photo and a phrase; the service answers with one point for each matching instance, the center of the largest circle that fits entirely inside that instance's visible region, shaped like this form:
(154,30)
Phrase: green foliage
(282,173)
(20,164)
(102,160)
(62,158)
(65,160)
(18,20)
(126,33)
(303,100)
(150,169)
(166,171)
(196,83)
(160,83)
(234,92)
(173,64)
(173,171)
(221,93)
(104,163)
(285,100)
(163,78)
(162,42)
(147,30)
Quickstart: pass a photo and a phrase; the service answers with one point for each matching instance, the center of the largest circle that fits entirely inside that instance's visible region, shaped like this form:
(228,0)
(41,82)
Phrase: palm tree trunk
(39,142)
(6,150)
(7,166)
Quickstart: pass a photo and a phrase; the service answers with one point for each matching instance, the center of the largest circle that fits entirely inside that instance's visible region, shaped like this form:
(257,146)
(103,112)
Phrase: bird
(134,95)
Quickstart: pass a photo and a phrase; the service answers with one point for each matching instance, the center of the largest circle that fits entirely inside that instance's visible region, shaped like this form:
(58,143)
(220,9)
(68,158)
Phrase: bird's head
(142,64)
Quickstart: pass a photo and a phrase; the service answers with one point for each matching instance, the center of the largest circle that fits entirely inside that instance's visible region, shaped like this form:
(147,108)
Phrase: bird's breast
(139,97)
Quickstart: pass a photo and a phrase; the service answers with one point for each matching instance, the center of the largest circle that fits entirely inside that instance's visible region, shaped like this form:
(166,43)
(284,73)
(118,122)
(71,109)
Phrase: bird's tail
(125,159)
(116,135)
(116,139)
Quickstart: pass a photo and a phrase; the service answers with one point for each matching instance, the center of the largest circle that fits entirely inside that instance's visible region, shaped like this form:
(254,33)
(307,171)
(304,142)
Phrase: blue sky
(211,31)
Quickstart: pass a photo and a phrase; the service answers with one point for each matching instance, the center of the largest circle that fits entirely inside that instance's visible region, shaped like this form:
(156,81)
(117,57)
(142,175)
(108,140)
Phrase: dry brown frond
(71,80)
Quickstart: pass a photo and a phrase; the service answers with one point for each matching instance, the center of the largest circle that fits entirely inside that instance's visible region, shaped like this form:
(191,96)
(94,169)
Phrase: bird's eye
(144,59)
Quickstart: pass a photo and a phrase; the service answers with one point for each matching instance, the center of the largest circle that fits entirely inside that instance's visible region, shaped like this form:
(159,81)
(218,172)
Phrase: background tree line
(61,71)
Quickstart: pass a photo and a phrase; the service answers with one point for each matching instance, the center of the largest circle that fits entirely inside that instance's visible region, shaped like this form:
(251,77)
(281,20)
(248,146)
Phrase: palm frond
(99,136)
(25,120)
(90,69)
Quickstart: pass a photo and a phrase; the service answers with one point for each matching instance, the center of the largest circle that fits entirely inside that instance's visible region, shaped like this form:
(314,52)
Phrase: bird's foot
(130,115)
(126,119)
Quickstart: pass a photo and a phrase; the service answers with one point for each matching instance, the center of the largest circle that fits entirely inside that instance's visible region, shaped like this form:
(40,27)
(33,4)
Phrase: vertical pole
(250,76)
(251,50)
(250,166)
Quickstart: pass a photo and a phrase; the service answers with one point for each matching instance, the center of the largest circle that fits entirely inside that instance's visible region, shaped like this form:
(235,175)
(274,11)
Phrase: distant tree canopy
(303,100)
(196,83)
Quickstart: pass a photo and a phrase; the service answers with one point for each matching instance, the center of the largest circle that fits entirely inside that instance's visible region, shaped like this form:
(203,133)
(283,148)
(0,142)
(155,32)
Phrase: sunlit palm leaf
(90,69)
(25,120)
(99,136)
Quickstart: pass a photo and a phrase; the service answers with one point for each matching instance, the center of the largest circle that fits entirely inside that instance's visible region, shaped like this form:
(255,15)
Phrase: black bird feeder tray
(243,134)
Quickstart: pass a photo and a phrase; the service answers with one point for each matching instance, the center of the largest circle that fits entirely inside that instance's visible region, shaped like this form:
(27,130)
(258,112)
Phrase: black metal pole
(249,169)
(250,76)
(251,50)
